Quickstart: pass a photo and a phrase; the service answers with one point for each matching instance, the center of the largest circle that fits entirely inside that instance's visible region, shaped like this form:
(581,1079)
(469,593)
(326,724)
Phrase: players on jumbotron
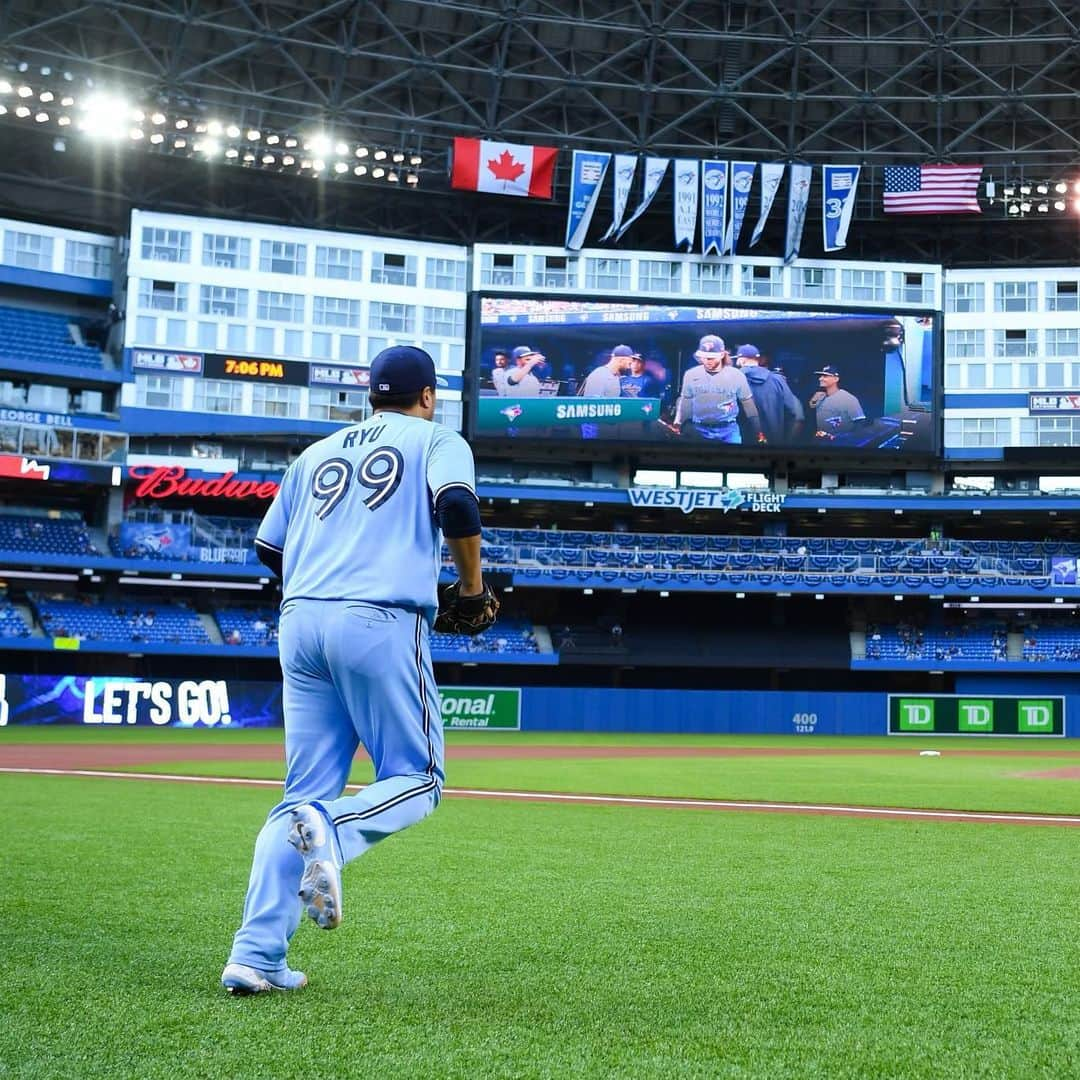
(606,381)
(500,372)
(354,534)
(520,380)
(712,395)
(836,410)
(779,410)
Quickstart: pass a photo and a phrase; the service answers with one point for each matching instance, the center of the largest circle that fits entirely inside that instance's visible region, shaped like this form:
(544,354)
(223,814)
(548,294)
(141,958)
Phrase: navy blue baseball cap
(524,351)
(402,369)
(750,352)
(828,369)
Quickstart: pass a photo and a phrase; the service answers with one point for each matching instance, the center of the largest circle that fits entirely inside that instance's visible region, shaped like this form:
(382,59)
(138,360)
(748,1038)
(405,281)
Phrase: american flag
(932,189)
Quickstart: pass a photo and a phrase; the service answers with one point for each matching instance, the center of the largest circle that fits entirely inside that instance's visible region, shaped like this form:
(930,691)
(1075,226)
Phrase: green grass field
(500,939)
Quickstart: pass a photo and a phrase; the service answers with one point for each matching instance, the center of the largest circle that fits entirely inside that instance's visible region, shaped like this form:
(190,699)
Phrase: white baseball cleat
(320,887)
(239,979)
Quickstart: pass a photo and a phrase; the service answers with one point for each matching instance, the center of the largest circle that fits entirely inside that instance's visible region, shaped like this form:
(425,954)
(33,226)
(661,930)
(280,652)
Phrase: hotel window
(393,318)
(391,268)
(223,301)
(280,307)
(333,311)
(166,245)
(609,274)
(338,264)
(227,252)
(279,257)
(88,260)
(445,274)
(964,296)
(1015,295)
(444,322)
(275,400)
(162,295)
(218,395)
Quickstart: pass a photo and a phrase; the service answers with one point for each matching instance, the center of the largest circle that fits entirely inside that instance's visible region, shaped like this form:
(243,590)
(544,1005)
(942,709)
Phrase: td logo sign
(956,714)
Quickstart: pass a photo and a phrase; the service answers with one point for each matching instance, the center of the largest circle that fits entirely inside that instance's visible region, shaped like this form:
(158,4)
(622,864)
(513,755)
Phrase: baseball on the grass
(929,753)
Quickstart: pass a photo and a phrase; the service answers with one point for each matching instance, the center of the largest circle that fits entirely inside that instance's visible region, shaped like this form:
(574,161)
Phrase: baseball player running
(712,395)
(354,534)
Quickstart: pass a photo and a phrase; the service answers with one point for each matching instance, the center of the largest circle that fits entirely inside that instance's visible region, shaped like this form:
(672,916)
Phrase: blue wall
(736,711)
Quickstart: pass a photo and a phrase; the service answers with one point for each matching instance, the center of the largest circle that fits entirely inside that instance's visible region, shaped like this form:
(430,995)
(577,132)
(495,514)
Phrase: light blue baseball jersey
(355,518)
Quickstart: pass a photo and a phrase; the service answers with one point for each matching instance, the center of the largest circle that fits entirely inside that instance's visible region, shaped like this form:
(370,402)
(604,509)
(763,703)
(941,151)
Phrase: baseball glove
(469,615)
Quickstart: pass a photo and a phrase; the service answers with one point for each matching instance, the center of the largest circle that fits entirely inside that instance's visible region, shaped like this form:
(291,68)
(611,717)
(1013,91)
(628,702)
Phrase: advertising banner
(155,540)
(954,714)
(479,708)
(1064,404)
(175,363)
(500,415)
(108,701)
(725,499)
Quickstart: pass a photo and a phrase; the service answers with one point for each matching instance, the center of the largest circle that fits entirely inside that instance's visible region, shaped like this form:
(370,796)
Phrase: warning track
(645,801)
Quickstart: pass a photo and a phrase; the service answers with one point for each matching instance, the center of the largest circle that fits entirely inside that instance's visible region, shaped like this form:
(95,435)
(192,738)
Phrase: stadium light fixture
(25,91)
(3,110)
(380,155)
(341,149)
(320,145)
(415,159)
(105,116)
(5,86)
(341,167)
(22,112)
(378,172)
(232,131)
(46,96)
(41,118)
(360,170)
(254,135)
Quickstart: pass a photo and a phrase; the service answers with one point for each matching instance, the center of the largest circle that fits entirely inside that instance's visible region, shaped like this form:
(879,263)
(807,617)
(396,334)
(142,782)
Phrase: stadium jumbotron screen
(577,370)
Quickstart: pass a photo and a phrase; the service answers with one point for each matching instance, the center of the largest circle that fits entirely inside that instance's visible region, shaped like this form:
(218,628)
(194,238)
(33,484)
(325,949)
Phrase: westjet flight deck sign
(688,500)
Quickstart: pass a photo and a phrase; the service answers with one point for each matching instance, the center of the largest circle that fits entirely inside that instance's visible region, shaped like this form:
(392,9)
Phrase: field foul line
(607,800)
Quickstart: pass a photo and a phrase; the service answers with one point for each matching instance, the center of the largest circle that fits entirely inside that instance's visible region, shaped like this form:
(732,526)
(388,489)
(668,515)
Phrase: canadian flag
(501,168)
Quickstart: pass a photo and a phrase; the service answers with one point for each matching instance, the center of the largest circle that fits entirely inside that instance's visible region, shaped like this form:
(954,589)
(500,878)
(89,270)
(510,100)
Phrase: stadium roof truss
(868,81)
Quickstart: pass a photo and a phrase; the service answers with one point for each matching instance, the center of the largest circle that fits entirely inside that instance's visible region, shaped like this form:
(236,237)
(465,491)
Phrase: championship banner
(798,200)
(625,170)
(714,189)
(742,180)
(655,171)
(838,184)
(685,207)
(771,175)
(499,415)
(587,174)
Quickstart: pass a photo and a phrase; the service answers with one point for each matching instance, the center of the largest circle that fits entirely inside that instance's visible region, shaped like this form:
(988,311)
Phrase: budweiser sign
(167,481)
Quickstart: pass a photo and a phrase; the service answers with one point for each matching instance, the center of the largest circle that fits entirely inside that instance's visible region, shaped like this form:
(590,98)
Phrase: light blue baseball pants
(354,674)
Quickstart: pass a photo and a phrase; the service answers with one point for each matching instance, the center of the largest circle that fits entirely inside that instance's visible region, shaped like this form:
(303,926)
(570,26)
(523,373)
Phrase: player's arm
(522,371)
(270,538)
(745,398)
(682,406)
(451,479)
